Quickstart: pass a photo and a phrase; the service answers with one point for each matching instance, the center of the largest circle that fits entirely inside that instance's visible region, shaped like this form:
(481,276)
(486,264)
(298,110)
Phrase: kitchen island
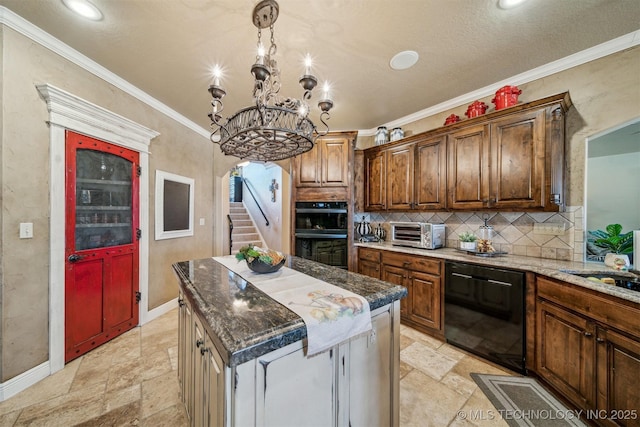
(242,355)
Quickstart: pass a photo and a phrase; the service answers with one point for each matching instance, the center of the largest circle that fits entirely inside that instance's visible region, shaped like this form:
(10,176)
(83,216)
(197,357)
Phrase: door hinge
(138,297)
(138,170)
(138,233)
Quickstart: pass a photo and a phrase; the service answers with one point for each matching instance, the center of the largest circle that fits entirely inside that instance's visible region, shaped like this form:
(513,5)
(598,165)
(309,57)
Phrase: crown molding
(16,22)
(27,29)
(612,46)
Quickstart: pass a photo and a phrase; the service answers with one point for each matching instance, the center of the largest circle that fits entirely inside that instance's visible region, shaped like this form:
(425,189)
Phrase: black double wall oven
(321,232)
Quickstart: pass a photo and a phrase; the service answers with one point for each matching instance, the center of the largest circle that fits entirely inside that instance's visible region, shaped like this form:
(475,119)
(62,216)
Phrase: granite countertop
(245,323)
(560,270)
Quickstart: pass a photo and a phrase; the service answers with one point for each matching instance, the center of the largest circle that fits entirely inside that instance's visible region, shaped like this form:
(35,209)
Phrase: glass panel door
(103,200)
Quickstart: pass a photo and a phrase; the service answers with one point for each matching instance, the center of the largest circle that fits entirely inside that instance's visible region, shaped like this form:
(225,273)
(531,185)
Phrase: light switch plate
(26,230)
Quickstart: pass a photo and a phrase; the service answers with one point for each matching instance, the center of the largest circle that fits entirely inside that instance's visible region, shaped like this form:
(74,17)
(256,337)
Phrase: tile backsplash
(514,231)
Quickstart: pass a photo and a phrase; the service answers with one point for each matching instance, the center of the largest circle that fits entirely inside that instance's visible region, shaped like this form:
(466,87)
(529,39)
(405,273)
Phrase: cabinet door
(518,161)
(185,353)
(468,171)
(397,275)
(430,175)
(199,407)
(213,384)
(307,167)
(565,353)
(334,161)
(425,299)
(400,177)
(375,181)
(369,268)
(370,379)
(618,370)
(285,380)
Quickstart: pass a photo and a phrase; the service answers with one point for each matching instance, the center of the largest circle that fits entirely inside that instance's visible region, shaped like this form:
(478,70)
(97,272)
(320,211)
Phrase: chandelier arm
(324,115)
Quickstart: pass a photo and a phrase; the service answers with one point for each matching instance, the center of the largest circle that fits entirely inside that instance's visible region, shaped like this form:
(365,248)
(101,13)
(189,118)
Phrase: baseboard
(160,310)
(23,381)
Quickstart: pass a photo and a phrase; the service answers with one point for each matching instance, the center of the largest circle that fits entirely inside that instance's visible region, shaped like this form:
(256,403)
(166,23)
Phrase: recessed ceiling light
(84,9)
(404,60)
(509,4)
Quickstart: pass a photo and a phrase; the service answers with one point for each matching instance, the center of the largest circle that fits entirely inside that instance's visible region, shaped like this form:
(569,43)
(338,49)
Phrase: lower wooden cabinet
(588,349)
(422,307)
(369,263)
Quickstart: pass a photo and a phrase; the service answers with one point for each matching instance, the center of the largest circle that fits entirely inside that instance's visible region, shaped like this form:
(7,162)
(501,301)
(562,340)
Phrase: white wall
(613,192)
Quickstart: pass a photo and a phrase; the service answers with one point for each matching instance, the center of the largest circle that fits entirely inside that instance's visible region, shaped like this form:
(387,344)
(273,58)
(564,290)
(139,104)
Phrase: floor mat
(522,401)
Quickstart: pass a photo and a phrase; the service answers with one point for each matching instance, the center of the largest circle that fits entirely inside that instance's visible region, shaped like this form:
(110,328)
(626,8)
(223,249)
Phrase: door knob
(75,257)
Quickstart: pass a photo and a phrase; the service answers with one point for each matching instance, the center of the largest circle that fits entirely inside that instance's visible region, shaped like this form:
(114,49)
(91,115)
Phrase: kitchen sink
(626,280)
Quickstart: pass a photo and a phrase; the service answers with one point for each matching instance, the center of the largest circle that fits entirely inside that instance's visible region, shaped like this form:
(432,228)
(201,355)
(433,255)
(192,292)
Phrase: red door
(101,248)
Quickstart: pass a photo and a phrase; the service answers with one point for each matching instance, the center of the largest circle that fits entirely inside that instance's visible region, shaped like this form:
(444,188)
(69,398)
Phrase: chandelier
(275,128)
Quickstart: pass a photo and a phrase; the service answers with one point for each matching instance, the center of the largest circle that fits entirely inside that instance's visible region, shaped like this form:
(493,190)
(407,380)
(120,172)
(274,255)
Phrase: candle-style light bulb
(326,88)
(217,73)
(261,52)
(307,64)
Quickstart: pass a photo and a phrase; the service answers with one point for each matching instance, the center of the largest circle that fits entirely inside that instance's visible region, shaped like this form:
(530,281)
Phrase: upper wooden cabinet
(323,173)
(511,159)
(326,165)
(375,188)
(400,177)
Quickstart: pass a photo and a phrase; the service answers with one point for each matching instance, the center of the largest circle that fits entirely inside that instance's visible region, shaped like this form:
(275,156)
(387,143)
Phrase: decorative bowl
(260,267)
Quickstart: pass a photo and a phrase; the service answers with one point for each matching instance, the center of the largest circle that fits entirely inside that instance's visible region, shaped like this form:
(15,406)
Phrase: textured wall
(24,191)
(604,94)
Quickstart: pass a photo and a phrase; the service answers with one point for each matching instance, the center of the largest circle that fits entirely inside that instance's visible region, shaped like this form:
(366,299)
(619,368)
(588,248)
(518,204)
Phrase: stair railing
(230,233)
(244,180)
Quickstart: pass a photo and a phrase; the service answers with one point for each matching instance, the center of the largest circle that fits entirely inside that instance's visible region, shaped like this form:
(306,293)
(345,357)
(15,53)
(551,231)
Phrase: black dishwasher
(484,312)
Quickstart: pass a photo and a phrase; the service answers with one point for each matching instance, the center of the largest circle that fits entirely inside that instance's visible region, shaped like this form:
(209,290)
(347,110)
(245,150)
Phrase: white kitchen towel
(331,314)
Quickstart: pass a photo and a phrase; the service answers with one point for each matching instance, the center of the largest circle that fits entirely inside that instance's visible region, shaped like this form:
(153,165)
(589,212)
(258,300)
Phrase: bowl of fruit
(261,260)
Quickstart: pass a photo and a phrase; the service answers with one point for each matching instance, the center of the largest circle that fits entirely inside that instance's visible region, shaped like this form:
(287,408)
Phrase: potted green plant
(618,243)
(467,241)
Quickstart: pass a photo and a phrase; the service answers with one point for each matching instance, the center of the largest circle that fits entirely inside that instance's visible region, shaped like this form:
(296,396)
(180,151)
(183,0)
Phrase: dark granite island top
(244,322)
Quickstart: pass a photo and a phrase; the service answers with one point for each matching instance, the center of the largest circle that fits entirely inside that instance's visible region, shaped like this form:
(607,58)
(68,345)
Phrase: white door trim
(67,111)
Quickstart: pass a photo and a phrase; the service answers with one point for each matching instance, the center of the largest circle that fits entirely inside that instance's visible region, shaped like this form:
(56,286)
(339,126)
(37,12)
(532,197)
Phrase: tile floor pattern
(132,381)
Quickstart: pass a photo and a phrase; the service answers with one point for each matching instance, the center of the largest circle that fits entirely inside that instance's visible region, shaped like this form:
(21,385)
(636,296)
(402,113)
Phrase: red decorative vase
(477,108)
(452,119)
(506,97)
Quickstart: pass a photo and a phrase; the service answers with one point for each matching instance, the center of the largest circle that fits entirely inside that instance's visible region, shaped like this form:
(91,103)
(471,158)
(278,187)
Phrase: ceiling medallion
(275,128)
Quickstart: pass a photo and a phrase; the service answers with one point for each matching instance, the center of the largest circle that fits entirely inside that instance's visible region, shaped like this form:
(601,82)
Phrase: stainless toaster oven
(418,234)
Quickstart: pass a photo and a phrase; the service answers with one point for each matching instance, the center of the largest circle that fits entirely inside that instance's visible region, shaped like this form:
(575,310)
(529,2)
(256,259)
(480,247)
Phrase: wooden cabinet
(323,173)
(587,347)
(430,175)
(369,262)
(566,352)
(421,277)
(400,177)
(375,178)
(511,159)
(422,307)
(468,168)
(500,165)
(326,165)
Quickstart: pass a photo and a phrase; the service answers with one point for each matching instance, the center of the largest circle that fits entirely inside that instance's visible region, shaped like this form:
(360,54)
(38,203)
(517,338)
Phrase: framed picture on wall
(174,205)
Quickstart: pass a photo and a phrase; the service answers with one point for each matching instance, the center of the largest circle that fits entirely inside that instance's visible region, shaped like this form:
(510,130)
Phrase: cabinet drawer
(369,254)
(412,262)
(606,309)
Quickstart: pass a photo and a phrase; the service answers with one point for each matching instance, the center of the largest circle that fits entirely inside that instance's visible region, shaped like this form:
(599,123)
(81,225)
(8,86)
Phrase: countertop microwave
(418,234)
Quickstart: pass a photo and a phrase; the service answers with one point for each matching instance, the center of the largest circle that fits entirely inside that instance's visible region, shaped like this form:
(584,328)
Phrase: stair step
(240,217)
(246,237)
(242,223)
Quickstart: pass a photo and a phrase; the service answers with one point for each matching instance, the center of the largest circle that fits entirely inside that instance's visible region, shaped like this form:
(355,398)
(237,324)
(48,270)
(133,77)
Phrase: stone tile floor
(132,381)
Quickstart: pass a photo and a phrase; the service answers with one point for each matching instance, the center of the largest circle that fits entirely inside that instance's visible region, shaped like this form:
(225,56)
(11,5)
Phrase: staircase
(244,231)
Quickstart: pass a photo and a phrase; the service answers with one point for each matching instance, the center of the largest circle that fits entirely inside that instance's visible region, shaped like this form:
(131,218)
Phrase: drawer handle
(498,282)
(464,276)
(588,334)
(600,340)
